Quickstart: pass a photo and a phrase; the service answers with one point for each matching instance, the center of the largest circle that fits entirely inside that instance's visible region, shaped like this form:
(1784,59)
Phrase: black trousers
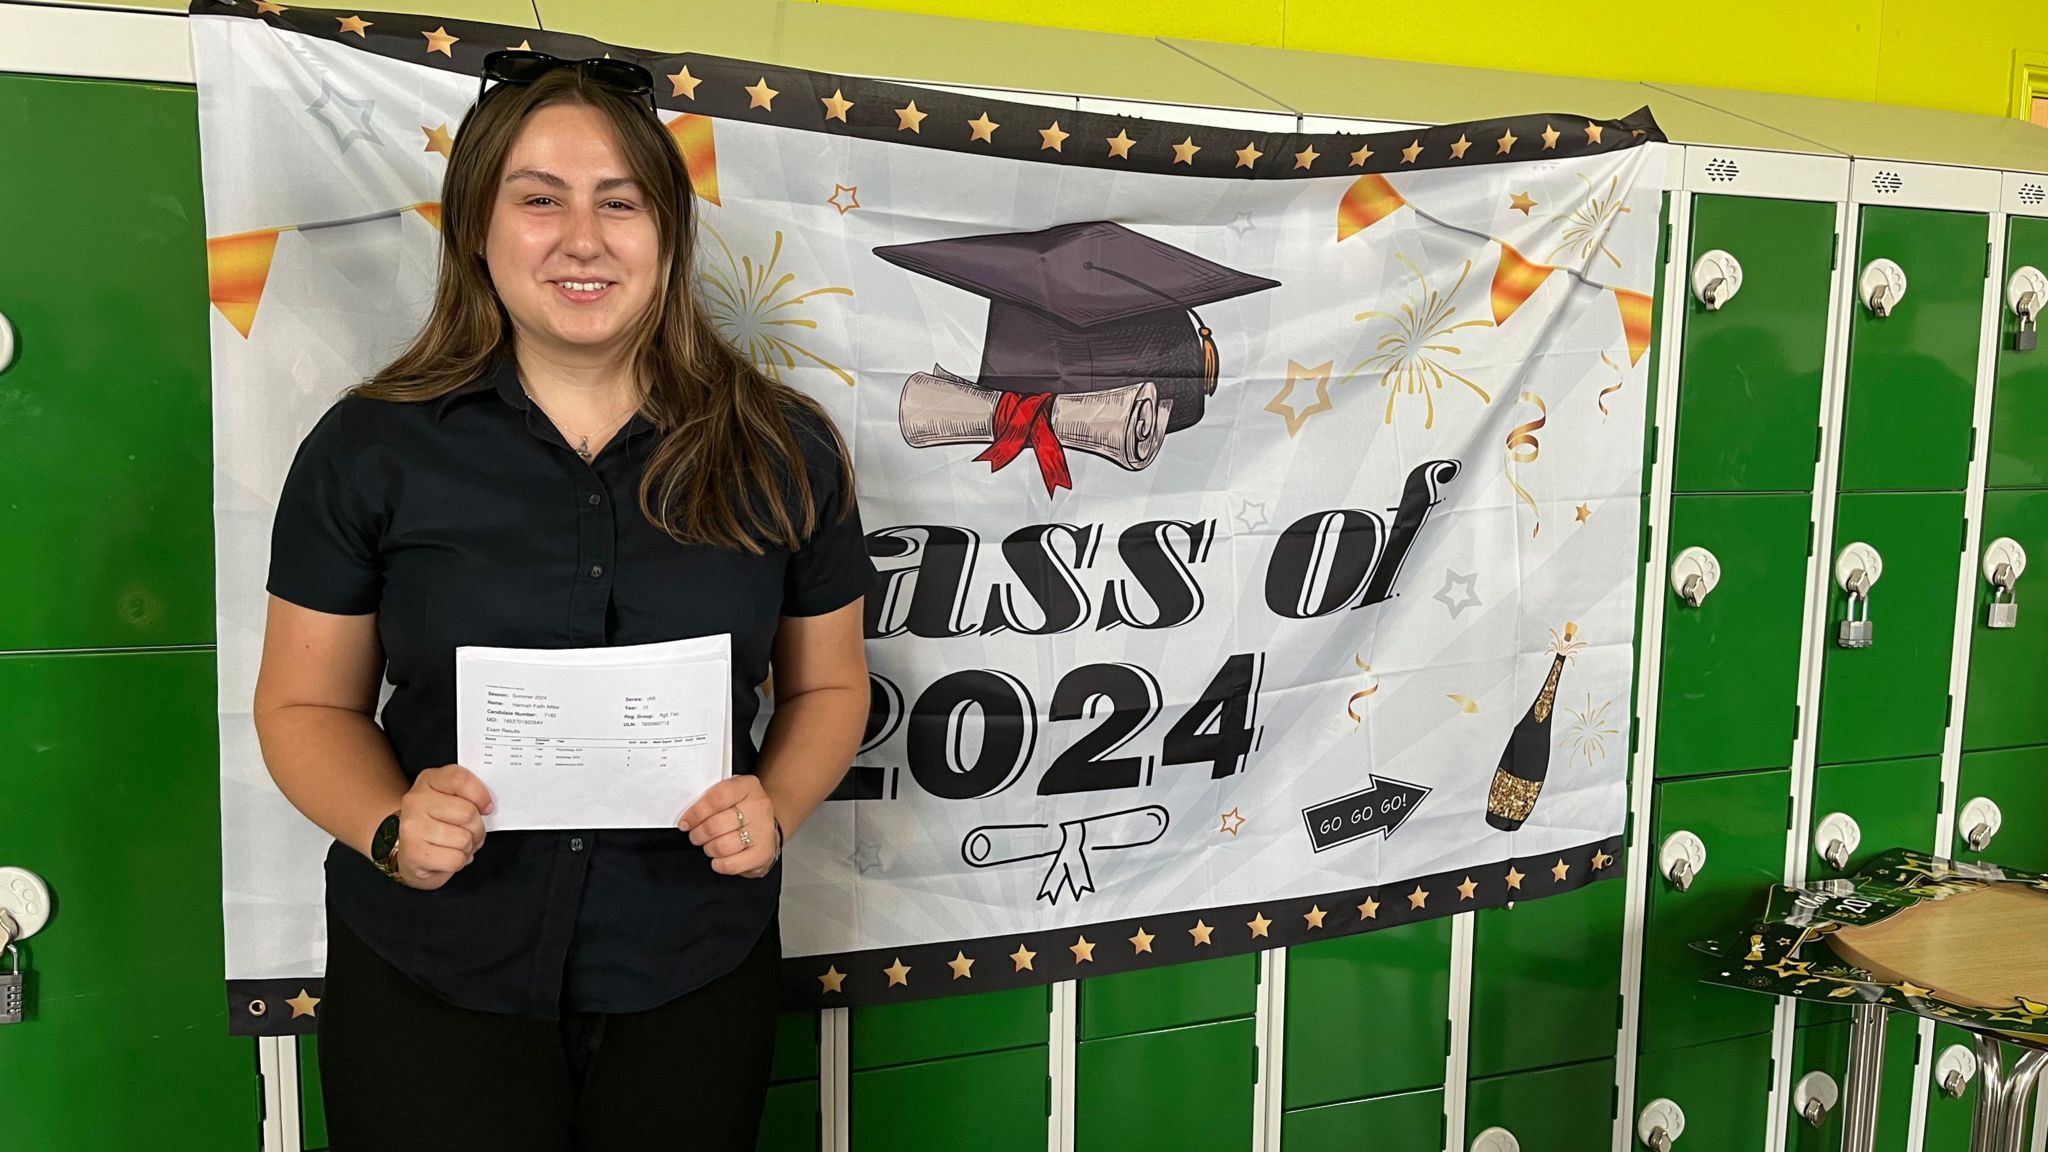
(402,1069)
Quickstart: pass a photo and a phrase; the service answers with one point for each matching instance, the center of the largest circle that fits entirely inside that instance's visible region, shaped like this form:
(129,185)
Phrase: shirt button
(576,844)
(596,570)
(595,499)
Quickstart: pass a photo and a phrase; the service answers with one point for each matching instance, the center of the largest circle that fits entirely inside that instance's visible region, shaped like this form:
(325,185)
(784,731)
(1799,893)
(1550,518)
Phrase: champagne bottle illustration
(1526,759)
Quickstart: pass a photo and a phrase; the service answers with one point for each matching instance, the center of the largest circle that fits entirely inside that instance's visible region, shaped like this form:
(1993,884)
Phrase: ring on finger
(740,814)
(746,839)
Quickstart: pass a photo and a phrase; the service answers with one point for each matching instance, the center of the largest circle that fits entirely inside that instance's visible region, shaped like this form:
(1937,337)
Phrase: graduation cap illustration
(1093,343)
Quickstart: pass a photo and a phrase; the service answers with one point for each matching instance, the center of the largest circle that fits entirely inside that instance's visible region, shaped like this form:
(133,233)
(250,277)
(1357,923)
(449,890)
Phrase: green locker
(1741,821)
(884,1034)
(113,549)
(120,1035)
(1168,997)
(1409,1122)
(2007,702)
(1750,372)
(1825,1049)
(1728,697)
(789,1118)
(1912,377)
(1366,1014)
(1563,1109)
(1950,1117)
(1722,1088)
(2019,406)
(2016,780)
(1546,981)
(1891,699)
(1181,1090)
(1893,804)
(995,1102)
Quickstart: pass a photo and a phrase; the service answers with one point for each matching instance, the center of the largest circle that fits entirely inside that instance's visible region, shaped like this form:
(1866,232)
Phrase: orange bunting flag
(700,153)
(236,268)
(430,211)
(1635,322)
(1369,200)
(1514,281)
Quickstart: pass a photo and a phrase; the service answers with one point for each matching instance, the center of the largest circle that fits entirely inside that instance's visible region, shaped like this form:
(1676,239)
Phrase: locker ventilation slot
(2031,194)
(1722,169)
(1887,182)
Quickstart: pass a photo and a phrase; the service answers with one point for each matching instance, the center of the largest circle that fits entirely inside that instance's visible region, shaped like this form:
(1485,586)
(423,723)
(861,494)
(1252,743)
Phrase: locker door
(2019,407)
(924,1071)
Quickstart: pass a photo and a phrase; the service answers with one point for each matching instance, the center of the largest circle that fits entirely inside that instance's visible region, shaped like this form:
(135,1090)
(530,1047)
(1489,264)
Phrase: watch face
(386,838)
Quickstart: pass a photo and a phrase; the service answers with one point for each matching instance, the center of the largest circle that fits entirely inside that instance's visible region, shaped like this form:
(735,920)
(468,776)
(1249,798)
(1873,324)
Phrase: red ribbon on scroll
(1022,420)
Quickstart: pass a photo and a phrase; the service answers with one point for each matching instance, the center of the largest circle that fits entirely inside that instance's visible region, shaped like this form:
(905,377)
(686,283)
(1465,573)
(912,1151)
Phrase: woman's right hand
(441,825)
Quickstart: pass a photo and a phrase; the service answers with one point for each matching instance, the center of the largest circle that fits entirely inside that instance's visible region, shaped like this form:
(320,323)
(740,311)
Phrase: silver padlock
(2004,613)
(1856,631)
(12,997)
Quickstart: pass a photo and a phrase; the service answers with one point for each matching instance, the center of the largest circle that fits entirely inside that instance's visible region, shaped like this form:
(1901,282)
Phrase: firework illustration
(1412,356)
(750,304)
(1586,226)
(1590,730)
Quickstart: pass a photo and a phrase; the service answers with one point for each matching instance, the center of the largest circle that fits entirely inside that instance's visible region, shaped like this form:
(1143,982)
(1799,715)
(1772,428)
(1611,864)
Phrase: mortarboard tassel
(1208,355)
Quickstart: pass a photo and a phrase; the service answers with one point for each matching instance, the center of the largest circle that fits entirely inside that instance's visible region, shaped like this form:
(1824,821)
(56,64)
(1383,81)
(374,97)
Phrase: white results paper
(623,737)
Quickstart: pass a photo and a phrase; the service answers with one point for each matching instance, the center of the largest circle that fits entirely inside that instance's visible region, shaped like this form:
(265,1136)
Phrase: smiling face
(573,247)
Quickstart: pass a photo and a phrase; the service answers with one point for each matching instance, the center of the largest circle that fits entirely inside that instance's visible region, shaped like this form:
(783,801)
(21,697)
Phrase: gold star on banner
(836,106)
(1550,136)
(908,118)
(760,95)
(1601,860)
(1246,155)
(1592,132)
(1418,898)
(1506,143)
(1258,924)
(355,24)
(1359,157)
(686,84)
(1051,137)
(262,7)
(303,1004)
(1184,152)
(1907,987)
(832,980)
(1307,157)
(1409,153)
(963,968)
(852,198)
(1200,932)
(1788,967)
(1521,202)
(1583,514)
(1297,374)
(983,129)
(440,41)
(438,140)
(524,46)
(1459,148)
(899,973)
(1023,957)
(1561,871)
(1083,950)
(1142,942)
(1466,889)
(1314,916)
(1120,145)
(1515,878)
(1231,822)
(1370,910)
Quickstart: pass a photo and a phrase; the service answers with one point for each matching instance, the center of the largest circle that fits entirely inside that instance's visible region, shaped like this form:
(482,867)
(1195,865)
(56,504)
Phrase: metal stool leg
(1864,1079)
(2002,1094)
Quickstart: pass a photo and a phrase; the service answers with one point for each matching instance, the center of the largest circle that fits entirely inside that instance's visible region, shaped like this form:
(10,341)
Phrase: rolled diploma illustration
(996,844)
(1125,425)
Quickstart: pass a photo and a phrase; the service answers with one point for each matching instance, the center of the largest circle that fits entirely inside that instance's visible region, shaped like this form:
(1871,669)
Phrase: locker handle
(1660,1125)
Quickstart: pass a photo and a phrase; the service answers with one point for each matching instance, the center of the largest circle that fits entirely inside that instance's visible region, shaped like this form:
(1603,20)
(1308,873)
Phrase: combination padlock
(1856,630)
(2005,613)
(12,996)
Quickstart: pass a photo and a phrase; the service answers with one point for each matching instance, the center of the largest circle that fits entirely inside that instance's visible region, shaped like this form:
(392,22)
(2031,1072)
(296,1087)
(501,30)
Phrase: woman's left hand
(734,822)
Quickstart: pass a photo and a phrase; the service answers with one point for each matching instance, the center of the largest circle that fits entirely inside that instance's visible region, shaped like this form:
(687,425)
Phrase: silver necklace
(582,438)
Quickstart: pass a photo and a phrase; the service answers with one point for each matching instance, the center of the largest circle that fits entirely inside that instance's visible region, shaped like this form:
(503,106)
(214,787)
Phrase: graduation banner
(1257,512)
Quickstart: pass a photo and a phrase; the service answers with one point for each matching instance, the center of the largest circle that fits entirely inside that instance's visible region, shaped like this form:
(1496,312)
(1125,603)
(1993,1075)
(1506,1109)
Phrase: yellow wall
(1953,54)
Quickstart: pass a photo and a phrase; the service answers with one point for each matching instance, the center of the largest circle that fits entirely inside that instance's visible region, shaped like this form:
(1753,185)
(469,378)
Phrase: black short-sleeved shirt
(469,520)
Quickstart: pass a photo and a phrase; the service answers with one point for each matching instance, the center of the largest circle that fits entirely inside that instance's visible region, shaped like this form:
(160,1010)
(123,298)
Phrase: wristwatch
(384,848)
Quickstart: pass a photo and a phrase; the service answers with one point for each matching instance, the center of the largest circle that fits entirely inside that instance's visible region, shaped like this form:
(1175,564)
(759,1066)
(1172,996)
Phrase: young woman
(566,456)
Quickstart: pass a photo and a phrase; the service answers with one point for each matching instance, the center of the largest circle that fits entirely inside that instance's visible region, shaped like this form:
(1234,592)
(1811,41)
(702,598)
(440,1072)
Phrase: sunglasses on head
(524,66)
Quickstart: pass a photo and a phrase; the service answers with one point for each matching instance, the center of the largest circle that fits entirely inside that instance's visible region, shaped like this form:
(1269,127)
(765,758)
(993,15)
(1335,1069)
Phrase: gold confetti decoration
(746,299)
(1411,358)
(1522,448)
(1373,686)
(1620,378)
(1465,704)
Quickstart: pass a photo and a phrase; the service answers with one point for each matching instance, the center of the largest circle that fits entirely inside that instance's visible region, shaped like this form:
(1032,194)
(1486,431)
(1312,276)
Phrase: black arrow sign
(1384,806)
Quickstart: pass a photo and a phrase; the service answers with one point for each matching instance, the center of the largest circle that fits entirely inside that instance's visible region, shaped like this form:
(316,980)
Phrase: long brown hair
(729,470)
